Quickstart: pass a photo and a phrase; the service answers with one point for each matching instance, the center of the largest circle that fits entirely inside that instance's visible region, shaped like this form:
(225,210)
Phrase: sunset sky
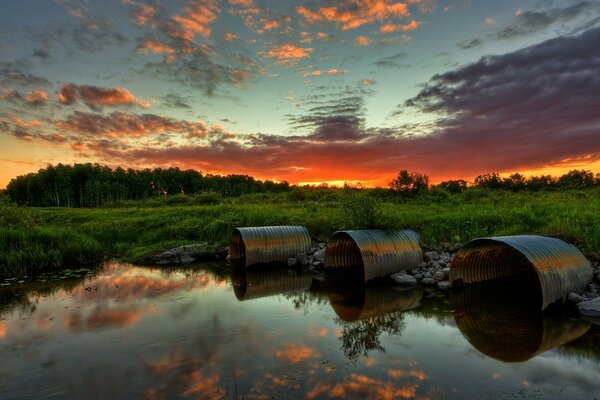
(316,91)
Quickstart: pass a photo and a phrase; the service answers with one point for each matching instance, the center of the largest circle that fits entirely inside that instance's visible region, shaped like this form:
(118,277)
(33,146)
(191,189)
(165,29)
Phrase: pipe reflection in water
(366,310)
(502,320)
(252,284)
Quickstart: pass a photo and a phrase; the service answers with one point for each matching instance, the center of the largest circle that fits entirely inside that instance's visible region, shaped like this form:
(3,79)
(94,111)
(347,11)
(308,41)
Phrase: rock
(302,259)
(446,272)
(428,281)
(423,264)
(292,261)
(418,277)
(427,274)
(185,254)
(439,276)
(575,298)
(442,263)
(431,255)
(312,250)
(591,296)
(319,255)
(590,308)
(443,285)
(322,245)
(404,279)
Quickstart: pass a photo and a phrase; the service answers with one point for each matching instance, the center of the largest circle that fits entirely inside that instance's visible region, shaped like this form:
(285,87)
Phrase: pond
(211,332)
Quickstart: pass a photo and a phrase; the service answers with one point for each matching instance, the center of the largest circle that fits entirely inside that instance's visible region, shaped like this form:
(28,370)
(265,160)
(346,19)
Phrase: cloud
(470,44)
(153,46)
(530,22)
(353,14)
(391,61)
(288,53)
(390,28)
(362,41)
(537,105)
(176,101)
(127,124)
(328,72)
(95,97)
(36,97)
(194,20)
(16,73)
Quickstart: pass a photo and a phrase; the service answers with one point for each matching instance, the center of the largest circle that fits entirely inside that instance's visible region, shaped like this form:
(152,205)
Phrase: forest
(93,185)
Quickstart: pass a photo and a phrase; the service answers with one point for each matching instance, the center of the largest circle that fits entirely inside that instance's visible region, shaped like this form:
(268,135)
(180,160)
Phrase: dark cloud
(90,35)
(333,121)
(41,54)
(470,44)
(97,97)
(530,22)
(391,61)
(176,101)
(17,73)
(127,124)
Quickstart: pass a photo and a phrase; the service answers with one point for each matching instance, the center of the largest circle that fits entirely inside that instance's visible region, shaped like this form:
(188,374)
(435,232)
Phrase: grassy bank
(40,239)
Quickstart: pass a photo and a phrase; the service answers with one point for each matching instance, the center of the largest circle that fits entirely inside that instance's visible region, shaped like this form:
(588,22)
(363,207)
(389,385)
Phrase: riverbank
(37,240)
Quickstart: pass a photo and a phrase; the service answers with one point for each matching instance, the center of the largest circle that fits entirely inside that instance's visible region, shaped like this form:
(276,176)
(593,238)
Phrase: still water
(130,332)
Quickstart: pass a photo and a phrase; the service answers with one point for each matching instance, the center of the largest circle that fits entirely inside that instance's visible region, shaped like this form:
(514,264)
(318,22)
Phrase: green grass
(42,239)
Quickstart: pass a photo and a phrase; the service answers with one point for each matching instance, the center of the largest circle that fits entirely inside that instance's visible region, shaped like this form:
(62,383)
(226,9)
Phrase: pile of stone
(314,259)
(588,303)
(433,271)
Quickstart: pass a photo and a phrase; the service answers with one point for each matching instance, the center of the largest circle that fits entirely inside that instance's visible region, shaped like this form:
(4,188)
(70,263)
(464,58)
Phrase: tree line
(93,185)
(414,182)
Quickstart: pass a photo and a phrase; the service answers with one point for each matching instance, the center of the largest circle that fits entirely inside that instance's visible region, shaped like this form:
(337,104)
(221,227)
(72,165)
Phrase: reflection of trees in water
(361,337)
(367,310)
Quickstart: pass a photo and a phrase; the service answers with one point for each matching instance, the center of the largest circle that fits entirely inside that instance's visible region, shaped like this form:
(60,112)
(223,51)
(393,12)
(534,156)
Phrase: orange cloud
(288,53)
(229,36)
(37,96)
(293,353)
(355,13)
(364,387)
(389,28)
(195,19)
(94,96)
(329,72)
(362,41)
(398,373)
(154,46)
(268,25)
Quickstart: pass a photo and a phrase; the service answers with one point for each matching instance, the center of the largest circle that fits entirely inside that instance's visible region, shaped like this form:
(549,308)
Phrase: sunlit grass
(40,239)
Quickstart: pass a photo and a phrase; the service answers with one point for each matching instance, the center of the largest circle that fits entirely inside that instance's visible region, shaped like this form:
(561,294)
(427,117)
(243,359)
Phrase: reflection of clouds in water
(293,353)
(550,370)
(365,387)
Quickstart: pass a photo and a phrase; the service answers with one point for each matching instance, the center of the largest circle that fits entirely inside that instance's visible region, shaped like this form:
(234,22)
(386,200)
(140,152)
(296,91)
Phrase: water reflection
(268,281)
(367,310)
(502,320)
(182,333)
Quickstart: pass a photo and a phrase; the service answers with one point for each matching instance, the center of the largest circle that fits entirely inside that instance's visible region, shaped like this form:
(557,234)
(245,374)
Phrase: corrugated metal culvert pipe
(378,252)
(559,266)
(267,244)
(249,284)
(502,319)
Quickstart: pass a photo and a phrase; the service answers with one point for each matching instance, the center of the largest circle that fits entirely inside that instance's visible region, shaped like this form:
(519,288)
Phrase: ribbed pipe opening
(237,248)
(342,251)
(488,260)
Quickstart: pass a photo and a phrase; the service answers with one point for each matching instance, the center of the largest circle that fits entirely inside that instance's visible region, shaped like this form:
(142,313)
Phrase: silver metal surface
(266,244)
(380,253)
(560,267)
